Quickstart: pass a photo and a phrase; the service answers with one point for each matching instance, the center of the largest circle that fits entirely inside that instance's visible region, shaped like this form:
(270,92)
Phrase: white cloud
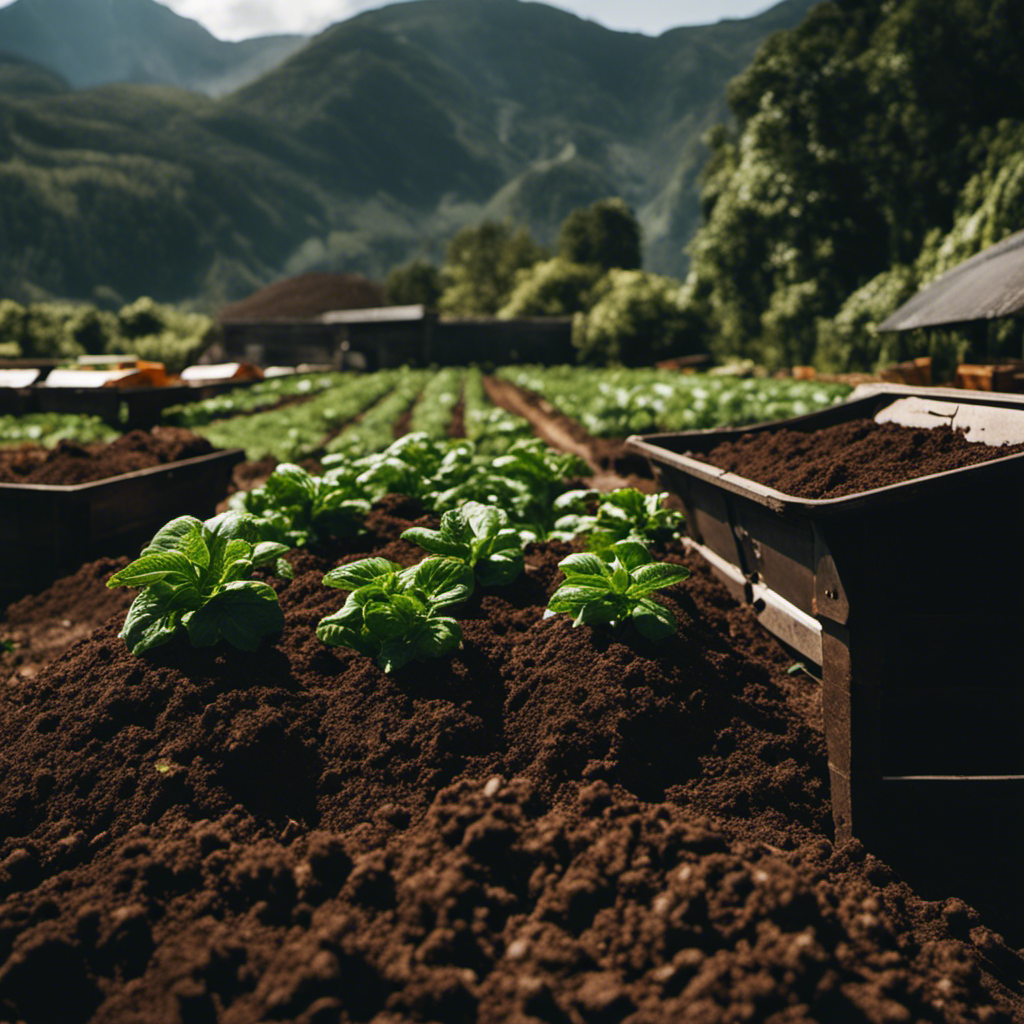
(240,19)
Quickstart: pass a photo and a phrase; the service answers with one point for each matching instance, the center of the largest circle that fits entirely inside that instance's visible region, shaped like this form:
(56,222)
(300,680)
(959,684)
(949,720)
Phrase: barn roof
(985,287)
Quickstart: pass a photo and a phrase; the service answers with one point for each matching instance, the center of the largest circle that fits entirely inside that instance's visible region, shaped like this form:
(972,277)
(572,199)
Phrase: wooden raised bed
(142,406)
(47,530)
(906,599)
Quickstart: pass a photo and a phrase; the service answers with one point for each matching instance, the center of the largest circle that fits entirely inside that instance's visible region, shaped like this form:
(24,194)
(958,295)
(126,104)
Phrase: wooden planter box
(1006,376)
(142,406)
(47,530)
(907,599)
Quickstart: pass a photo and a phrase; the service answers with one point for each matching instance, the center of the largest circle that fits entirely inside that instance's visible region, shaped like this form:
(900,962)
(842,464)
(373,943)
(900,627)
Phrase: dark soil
(71,463)
(401,426)
(849,457)
(43,626)
(457,425)
(554,824)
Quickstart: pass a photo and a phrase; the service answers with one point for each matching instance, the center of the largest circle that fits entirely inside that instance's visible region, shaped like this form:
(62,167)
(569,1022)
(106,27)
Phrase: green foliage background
(65,330)
(876,145)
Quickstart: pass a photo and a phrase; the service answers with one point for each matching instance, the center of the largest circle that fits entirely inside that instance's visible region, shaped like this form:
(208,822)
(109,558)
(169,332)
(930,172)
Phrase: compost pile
(555,824)
(849,457)
(69,463)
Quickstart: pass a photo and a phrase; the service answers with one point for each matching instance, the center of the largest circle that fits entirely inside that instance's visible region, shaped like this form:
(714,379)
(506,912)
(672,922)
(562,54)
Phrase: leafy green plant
(539,472)
(296,508)
(393,614)
(623,514)
(195,577)
(600,591)
(480,535)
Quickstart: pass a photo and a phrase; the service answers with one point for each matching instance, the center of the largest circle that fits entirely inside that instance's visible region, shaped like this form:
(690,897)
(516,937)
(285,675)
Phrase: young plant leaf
(196,576)
(615,589)
(443,581)
(480,536)
(173,566)
(393,616)
(171,536)
(149,623)
(361,573)
(242,613)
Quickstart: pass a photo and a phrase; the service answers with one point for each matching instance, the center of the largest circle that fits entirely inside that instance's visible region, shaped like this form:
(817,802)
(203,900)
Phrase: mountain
(374,142)
(98,42)
(21,77)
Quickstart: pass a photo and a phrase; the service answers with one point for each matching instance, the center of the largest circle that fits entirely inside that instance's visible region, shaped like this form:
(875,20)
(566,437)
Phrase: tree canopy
(855,137)
(480,267)
(606,233)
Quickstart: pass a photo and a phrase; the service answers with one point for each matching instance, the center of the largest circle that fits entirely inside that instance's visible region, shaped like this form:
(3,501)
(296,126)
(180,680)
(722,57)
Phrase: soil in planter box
(849,457)
(520,832)
(70,463)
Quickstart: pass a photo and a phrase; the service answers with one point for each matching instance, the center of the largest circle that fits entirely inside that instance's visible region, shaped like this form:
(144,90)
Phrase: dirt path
(543,417)
(612,465)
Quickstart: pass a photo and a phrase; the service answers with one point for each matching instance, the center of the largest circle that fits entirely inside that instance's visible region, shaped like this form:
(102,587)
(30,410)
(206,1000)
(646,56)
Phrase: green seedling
(624,514)
(296,508)
(617,588)
(393,614)
(195,578)
(480,535)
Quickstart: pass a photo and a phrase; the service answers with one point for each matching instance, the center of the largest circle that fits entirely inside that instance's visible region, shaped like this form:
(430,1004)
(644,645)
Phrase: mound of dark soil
(849,457)
(71,463)
(521,832)
(43,626)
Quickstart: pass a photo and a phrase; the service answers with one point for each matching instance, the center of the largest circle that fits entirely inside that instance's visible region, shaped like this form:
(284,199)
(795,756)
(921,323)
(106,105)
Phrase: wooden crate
(47,530)
(905,600)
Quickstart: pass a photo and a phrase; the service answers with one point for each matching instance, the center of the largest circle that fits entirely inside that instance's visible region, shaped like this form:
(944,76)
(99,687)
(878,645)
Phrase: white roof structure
(18,378)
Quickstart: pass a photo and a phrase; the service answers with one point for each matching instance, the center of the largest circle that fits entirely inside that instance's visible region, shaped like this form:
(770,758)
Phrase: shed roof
(985,287)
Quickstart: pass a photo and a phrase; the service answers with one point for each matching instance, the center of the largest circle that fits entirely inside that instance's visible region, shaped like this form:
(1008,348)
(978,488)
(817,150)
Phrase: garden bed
(60,507)
(851,457)
(554,824)
(69,463)
(840,531)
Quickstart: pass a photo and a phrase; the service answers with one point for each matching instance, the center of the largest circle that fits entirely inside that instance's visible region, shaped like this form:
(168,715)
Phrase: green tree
(605,233)
(552,287)
(636,318)
(480,267)
(855,134)
(417,282)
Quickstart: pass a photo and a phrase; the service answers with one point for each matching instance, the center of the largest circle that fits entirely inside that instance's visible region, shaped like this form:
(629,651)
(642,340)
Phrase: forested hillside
(91,43)
(875,146)
(377,141)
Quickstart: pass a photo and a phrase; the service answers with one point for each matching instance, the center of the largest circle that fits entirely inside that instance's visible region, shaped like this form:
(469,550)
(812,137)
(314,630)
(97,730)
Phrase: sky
(240,19)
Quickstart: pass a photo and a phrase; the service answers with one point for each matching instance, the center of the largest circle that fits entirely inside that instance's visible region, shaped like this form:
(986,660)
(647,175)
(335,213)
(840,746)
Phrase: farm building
(311,319)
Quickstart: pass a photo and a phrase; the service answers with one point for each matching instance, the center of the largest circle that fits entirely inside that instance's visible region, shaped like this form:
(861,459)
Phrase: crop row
(297,431)
(251,399)
(490,427)
(49,428)
(359,413)
(617,402)
(435,407)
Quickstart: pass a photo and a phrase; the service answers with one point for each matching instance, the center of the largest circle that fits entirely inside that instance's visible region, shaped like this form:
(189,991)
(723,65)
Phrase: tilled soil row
(554,824)
(606,456)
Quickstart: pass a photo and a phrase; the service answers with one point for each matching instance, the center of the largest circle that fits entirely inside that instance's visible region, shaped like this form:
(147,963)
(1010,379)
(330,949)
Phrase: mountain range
(99,42)
(372,142)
